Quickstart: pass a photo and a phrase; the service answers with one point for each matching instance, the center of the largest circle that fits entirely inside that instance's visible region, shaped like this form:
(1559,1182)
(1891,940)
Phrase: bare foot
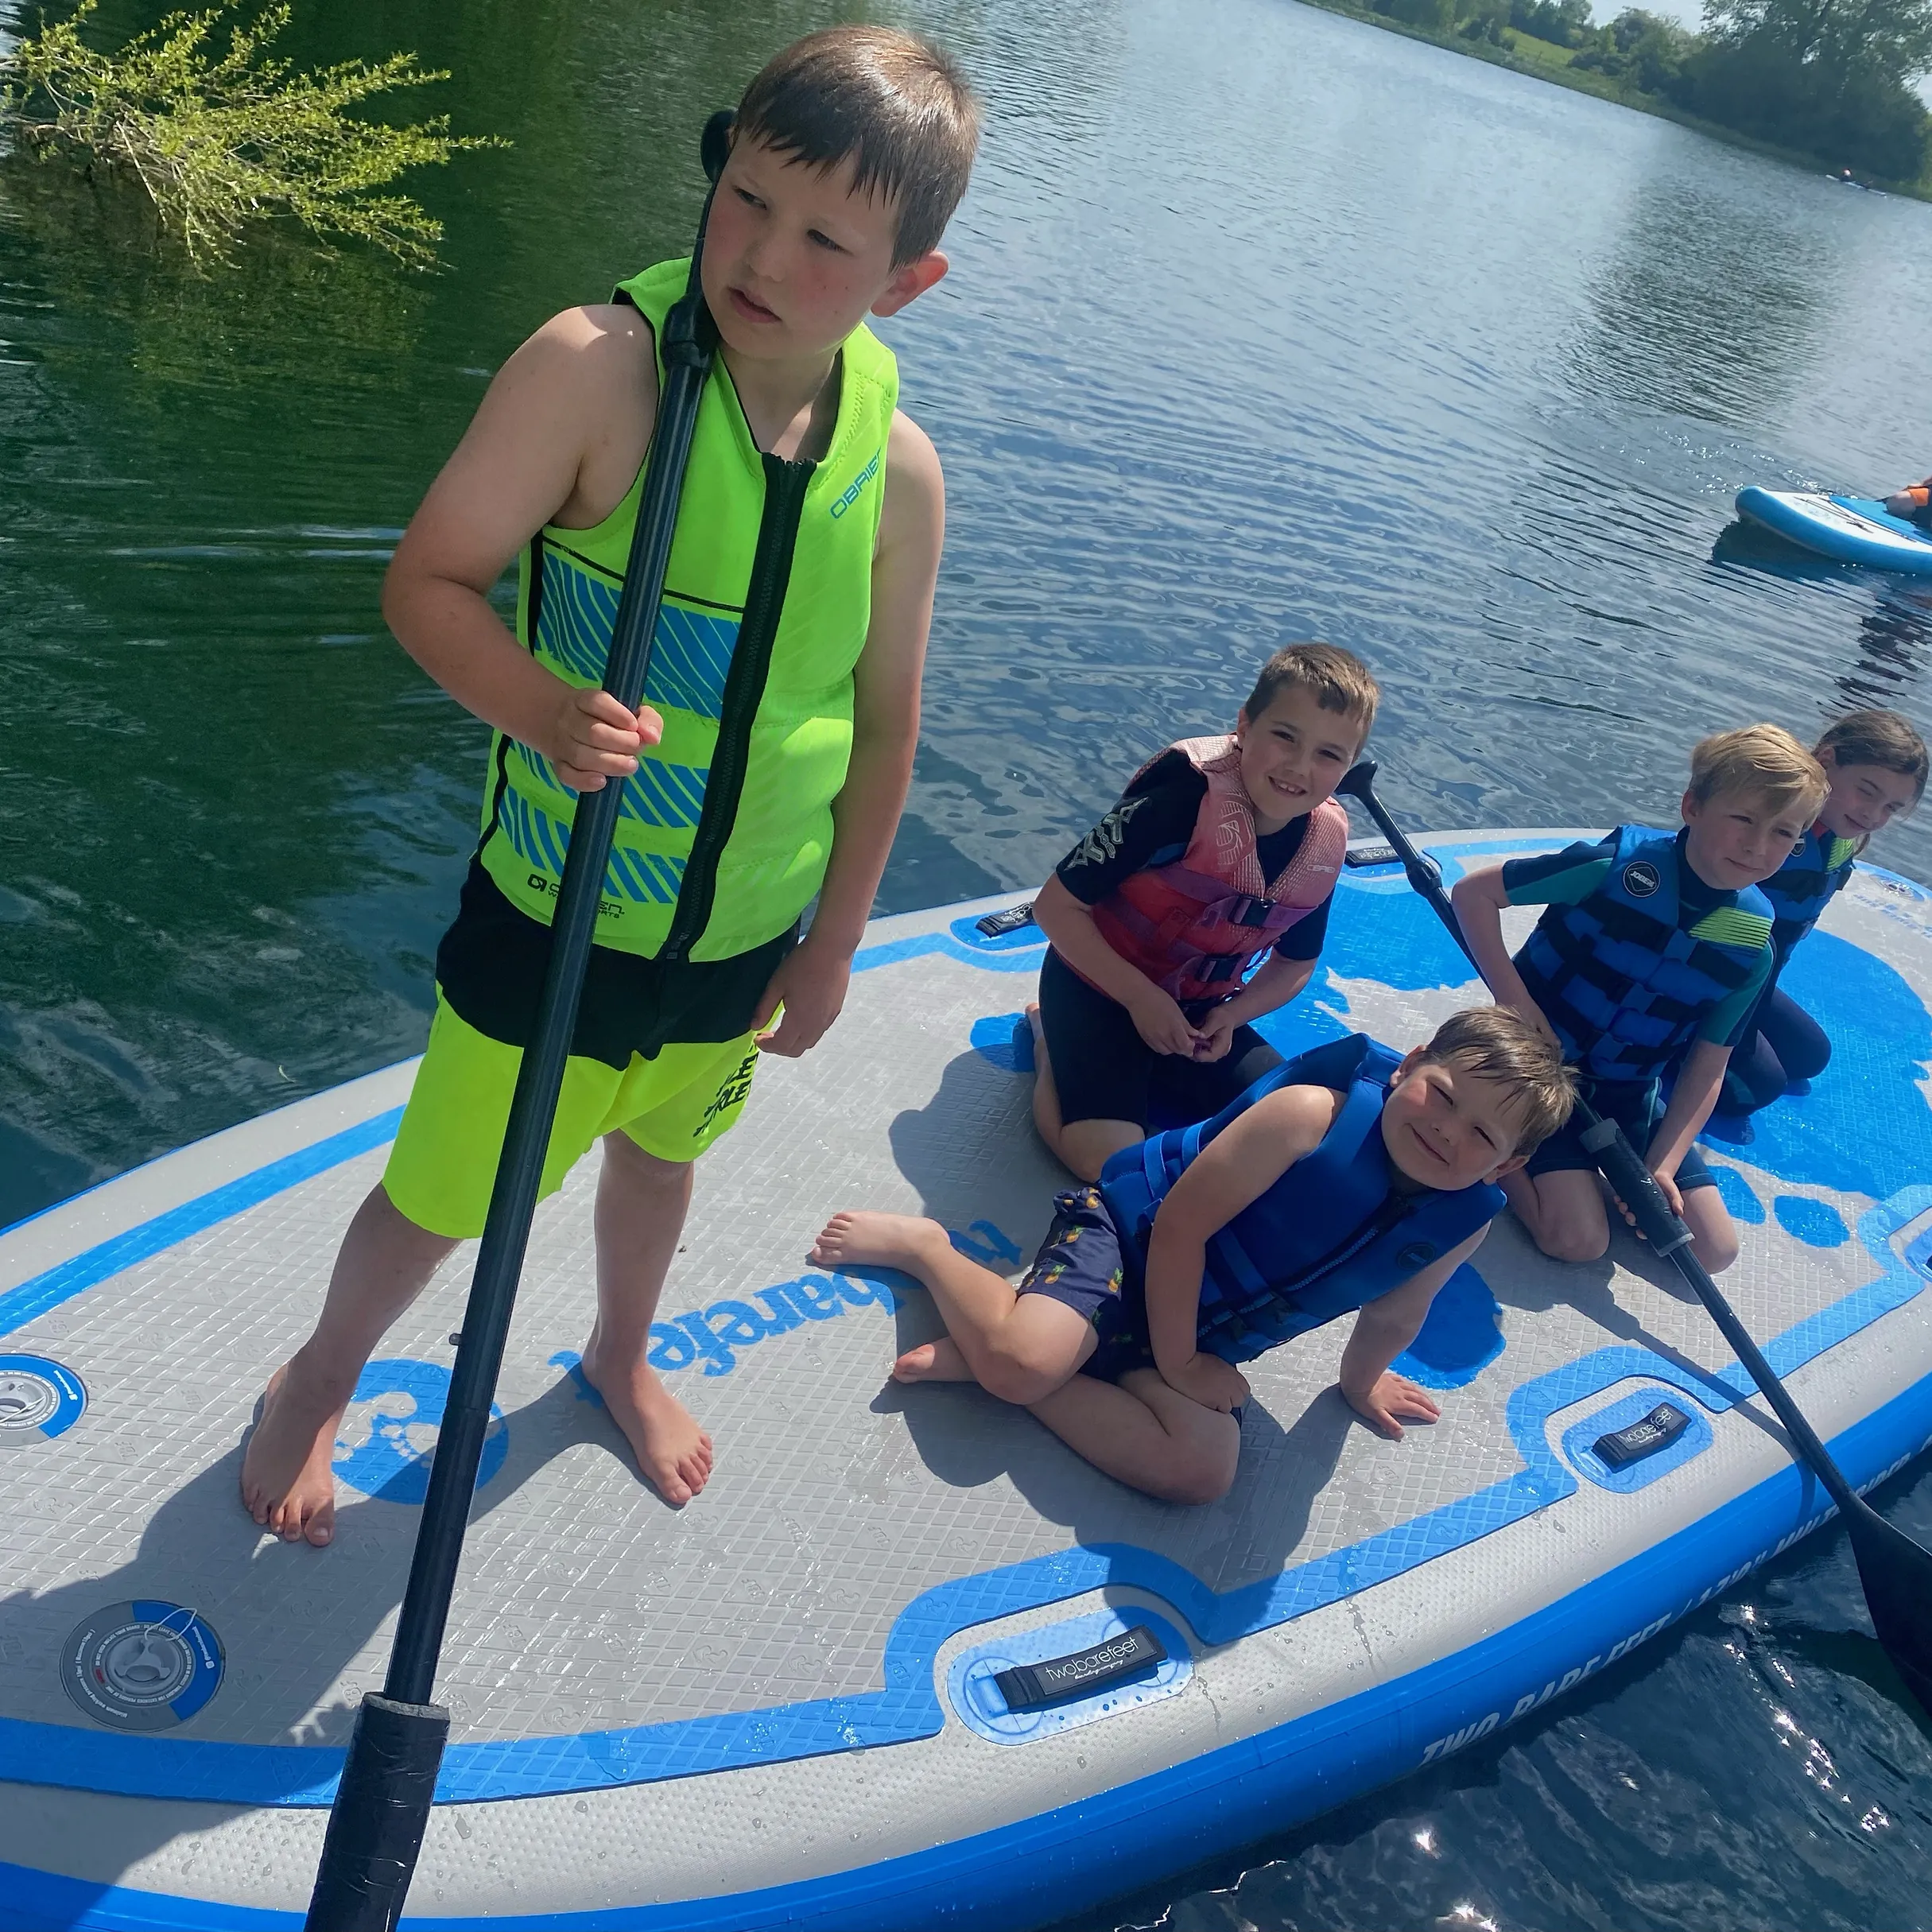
(1038,1025)
(288,1473)
(934,1361)
(857,1238)
(673,1452)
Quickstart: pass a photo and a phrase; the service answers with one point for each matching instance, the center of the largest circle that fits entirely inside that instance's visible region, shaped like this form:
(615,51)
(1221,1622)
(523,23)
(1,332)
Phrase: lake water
(1262,324)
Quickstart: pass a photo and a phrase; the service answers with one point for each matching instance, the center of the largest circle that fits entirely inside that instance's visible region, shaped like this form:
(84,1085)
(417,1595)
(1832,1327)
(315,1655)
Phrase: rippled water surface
(1262,323)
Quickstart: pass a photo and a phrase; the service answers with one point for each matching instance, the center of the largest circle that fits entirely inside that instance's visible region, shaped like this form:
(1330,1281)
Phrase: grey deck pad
(851,1526)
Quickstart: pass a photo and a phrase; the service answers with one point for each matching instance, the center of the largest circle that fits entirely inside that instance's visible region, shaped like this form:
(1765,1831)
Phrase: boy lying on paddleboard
(1218,862)
(806,553)
(1652,955)
(1350,1178)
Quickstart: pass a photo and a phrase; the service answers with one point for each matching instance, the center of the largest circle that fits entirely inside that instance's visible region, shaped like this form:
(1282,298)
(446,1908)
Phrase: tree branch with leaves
(218,136)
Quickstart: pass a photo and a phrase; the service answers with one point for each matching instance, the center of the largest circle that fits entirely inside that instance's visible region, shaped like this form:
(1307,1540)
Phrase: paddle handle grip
(381,1806)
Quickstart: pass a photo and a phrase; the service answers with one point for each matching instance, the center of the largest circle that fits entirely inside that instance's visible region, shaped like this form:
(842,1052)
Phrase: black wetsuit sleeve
(1302,941)
(1145,828)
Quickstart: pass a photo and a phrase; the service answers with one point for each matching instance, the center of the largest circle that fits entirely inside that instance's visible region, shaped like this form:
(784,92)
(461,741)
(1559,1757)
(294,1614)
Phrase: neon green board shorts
(444,1163)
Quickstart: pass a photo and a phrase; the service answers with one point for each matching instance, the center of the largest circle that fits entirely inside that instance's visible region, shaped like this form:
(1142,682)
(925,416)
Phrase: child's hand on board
(1393,1400)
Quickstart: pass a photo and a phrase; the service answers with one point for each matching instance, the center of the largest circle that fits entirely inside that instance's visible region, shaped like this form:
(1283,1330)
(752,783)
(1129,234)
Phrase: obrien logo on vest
(1417,1255)
(1640,878)
(855,488)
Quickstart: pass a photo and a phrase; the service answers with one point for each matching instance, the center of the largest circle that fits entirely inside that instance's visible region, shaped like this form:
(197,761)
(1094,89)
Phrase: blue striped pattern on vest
(657,793)
(542,840)
(690,656)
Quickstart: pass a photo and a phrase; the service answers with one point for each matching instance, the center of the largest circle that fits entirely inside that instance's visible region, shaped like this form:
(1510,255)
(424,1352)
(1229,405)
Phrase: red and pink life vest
(1197,927)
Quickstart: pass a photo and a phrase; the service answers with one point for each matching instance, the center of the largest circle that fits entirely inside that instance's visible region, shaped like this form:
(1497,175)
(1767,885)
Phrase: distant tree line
(1832,77)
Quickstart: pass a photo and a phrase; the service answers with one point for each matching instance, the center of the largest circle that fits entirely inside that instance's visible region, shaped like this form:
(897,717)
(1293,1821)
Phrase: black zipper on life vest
(785,484)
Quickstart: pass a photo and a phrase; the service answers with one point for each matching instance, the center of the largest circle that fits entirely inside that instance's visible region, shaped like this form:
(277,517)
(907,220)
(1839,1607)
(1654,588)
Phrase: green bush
(1564,23)
(1645,50)
(1867,118)
(218,138)
(1434,15)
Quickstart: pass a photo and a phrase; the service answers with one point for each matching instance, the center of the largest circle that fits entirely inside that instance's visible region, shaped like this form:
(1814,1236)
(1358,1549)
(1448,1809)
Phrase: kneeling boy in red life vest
(1222,853)
(1349,1178)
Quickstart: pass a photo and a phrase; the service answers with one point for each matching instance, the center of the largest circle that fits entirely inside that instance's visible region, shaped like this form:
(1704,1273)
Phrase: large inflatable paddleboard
(783,1705)
(1849,529)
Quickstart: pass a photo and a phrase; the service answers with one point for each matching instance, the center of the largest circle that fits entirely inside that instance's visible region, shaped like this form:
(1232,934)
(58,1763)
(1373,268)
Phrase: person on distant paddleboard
(767,766)
(1221,857)
(1914,504)
(1877,766)
(1653,950)
(1352,1178)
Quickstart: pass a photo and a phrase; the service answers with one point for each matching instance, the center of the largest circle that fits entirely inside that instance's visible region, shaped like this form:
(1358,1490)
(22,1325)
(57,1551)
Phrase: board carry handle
(382,1807)
(1895,1571)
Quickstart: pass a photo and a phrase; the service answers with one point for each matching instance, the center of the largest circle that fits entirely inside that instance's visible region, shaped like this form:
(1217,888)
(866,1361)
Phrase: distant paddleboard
(906,1662)
(1848,530)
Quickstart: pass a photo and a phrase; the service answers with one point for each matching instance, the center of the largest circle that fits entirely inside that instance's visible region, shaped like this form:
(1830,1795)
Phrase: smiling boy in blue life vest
(1350,1178)
(1650,957)
(768,764)
(1218,862)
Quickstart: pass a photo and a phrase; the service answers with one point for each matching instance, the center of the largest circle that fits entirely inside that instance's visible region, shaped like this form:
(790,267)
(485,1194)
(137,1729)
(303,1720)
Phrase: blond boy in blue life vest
(768,764)
(1198,904)
(1352,1178)
(1649,960)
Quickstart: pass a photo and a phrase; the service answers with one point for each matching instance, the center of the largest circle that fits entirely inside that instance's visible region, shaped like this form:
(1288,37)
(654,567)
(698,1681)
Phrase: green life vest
(726,826)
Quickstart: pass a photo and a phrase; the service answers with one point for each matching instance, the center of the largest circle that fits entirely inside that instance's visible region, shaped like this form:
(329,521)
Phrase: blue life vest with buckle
(1801,888)
(1332,1233)
(1626,976)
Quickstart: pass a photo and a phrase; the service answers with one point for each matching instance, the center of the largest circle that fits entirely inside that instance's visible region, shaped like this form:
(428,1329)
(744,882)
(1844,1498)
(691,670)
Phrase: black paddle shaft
(1896,1571)
(383,1804)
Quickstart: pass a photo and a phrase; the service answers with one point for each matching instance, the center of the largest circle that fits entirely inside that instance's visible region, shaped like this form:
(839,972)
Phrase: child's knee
(1716,1247)
(1577,1240)
(1017,1376)
(1202,1472)
(640,1167)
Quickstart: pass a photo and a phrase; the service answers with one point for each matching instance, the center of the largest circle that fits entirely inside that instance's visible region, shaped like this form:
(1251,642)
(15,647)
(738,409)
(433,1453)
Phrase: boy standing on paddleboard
(1351,1178)
(1651,954)
(768,764)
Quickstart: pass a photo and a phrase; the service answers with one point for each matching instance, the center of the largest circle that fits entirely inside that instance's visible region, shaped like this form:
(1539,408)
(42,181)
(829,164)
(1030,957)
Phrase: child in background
(1222,852)
(1876,764)
(1914,503)
(1651,949)
(1351,1179)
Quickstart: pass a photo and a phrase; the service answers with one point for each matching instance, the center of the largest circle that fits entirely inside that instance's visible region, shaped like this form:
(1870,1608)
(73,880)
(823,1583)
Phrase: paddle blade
(1897,1574)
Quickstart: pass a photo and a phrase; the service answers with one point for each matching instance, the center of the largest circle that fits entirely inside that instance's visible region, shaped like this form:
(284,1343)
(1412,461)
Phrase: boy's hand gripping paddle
(1896,1571)
(388,1783)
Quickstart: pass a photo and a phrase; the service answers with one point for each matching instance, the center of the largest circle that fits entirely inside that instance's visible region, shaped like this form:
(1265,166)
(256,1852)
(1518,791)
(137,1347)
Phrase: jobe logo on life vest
(857,487)
(1640,878)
